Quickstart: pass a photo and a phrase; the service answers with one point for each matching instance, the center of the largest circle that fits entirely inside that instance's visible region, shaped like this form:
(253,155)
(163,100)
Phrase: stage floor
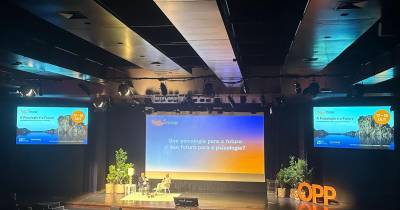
(254,201)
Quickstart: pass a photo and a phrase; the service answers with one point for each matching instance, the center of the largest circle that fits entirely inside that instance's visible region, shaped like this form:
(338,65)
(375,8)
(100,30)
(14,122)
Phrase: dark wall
(361,177)
(48,169)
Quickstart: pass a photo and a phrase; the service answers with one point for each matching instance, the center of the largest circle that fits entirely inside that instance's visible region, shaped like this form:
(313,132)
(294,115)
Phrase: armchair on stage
(164,185)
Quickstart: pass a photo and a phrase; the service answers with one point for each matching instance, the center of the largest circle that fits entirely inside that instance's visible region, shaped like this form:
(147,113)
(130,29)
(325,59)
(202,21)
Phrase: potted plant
(281,177)
(110,179)
(118,173)
(297,172)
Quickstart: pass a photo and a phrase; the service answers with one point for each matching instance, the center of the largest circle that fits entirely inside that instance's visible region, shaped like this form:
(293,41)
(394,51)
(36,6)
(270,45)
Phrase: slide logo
(316,191)
(163,122)
(381,117)
(78,117)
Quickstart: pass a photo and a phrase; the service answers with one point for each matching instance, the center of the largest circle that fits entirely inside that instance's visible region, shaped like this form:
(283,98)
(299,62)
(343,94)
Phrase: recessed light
(327,37)
(311,59)
(142,56)
(155,62)
(120,43)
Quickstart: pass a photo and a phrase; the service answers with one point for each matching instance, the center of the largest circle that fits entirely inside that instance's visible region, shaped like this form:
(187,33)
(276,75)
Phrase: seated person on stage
(143,183)
(165,184)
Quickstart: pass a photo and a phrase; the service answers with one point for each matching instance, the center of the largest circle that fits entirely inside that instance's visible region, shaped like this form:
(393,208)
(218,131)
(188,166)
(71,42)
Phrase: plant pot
(119,188)
(281,192)
(109,188)
(293,194)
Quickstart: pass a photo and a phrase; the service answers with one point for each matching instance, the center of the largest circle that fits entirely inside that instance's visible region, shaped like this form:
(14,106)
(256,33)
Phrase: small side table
(130,188)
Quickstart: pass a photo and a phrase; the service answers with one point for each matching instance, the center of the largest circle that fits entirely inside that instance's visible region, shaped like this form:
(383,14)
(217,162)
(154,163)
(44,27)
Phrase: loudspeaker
(186,202)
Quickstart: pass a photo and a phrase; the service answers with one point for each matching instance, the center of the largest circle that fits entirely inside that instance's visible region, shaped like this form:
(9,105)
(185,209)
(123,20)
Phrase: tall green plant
(296,172)
(118,173)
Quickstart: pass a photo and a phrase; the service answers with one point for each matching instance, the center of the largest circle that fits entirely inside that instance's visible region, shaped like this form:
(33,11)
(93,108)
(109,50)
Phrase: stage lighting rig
(297,87)
(124,89)
(231,101)
(208,89)
(101,102)
(28,91)
(163,88)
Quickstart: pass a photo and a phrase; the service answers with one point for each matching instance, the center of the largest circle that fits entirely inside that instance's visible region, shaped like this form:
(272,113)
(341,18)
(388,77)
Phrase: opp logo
(78,117)
(316,191)
(381,117)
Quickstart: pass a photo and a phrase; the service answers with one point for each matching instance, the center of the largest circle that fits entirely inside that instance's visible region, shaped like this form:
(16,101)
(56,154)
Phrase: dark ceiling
(147,20)
(28,35)
(261,32)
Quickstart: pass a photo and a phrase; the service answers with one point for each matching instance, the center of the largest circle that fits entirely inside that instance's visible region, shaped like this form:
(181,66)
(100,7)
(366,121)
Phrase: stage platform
(255,201)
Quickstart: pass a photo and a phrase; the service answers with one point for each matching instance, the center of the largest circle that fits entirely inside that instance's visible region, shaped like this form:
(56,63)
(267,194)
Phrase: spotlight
(124,89)
(28,91)
(244,89)
(231,101)
(101,102)
(312,89)
(270,110)
(208,89)
(163,88)
(297,87)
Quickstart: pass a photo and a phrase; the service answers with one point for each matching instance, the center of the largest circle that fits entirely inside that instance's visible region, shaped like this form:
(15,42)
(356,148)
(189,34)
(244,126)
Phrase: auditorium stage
(255,201)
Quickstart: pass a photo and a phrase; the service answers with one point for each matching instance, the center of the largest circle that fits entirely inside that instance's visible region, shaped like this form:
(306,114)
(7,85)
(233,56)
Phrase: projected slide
(359,127)
(52,125)
(205,147)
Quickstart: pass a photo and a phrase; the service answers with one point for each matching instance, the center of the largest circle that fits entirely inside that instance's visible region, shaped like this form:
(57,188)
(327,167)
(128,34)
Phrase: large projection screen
(205,147)
(52,125)
(356,127)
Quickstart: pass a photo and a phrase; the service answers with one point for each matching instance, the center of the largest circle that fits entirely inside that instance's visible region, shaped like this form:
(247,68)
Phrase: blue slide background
(335,140)
(51,114)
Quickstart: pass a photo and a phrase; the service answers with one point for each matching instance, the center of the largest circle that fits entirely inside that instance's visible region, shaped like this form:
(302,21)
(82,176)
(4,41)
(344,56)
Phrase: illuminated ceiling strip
(380,77)
(201,24)
(325,32)
(105,31)
(22,63)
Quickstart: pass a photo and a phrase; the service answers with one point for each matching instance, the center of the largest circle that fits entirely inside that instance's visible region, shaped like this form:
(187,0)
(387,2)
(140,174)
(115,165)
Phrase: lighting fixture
(231,101)
(163,88)
(101,102)
(124,89)
(28,91)
(208,89)
(297,88)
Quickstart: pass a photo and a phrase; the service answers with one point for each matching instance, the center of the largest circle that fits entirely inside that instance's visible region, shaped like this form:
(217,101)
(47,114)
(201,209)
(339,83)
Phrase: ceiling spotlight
(313,89)
(101,102)
(28,91)
(208,89)
(124,89)
(297,88)
(244,89)
(231,101)
(163,88)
